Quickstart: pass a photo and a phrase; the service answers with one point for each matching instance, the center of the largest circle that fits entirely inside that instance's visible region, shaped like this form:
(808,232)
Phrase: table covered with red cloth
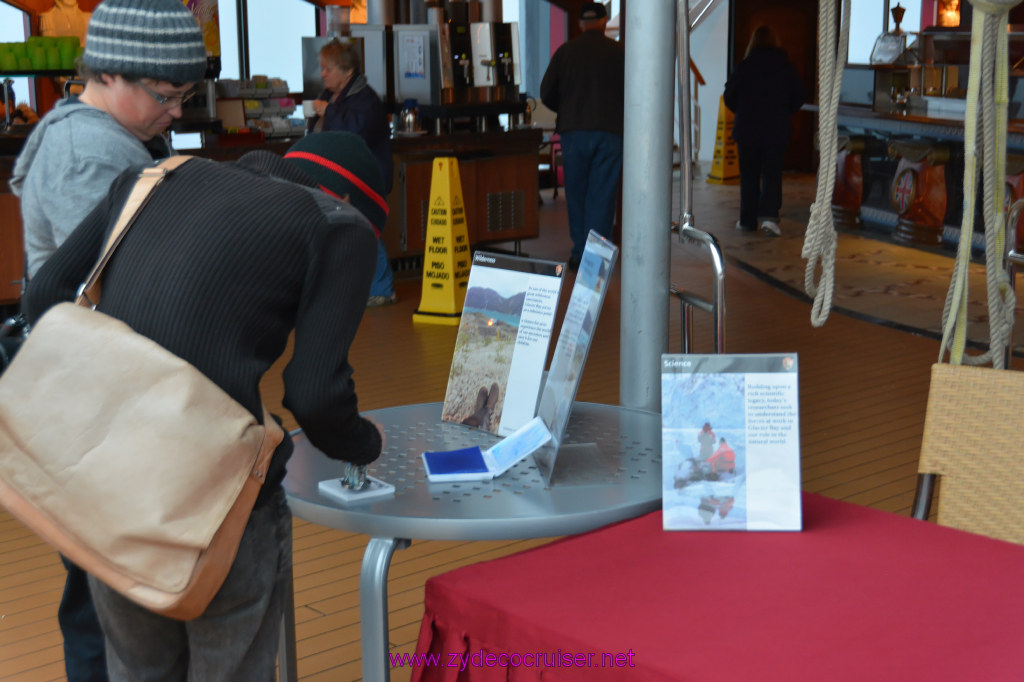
(859,595)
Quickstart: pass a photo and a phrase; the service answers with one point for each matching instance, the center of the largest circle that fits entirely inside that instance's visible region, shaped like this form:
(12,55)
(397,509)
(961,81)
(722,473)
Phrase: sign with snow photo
(730,442)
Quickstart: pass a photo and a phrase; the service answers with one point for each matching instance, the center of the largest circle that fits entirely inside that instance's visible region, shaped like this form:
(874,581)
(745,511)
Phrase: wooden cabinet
(499,188)
(12,251)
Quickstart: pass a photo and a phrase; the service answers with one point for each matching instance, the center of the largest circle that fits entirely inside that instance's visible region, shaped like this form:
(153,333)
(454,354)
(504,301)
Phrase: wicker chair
(971,441)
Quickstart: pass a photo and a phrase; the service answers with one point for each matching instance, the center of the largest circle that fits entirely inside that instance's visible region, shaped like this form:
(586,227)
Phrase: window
(227,17)
(276,29)
(12,30)
(867,21)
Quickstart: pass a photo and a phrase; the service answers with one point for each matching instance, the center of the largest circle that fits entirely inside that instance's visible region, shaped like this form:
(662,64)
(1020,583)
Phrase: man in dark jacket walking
(764,91)
(584,84)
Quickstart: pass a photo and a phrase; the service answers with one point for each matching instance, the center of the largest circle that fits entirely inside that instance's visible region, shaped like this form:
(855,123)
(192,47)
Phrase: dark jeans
(383,283)
(234,640)
(592,160)
(84,649)
(760,182)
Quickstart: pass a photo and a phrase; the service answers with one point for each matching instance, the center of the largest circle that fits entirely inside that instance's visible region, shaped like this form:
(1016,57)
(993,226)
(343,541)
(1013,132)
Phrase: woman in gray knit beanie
(158,40)
(141,61)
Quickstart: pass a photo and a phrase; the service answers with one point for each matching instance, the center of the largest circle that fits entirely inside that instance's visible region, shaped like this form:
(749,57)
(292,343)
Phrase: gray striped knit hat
(157,39)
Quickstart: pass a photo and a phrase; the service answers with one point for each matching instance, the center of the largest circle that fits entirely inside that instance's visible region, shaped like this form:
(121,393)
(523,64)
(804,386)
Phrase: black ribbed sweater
(222,263)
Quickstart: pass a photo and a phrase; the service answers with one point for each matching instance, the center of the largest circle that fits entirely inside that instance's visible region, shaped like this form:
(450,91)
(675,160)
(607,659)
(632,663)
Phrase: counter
(499,188)
(907,177)
(902,169)
(499,184)
(918,125)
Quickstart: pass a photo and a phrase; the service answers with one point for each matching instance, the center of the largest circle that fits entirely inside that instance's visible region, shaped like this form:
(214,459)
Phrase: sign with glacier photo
(730,442)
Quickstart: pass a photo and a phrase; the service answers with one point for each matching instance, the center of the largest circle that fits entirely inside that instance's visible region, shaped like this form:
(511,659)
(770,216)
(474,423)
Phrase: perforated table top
(591,486)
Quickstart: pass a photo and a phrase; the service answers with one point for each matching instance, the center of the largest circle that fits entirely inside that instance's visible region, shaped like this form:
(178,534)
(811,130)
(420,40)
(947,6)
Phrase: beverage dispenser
(417,63)
(460,55)
(495,61)
(506,42)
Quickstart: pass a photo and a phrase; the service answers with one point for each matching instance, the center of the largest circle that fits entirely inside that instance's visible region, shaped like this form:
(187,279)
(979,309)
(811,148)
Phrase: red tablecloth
(859,595)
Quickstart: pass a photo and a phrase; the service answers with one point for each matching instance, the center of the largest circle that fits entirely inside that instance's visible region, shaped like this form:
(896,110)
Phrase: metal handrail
(685,225)
(689,300)
(1013,259)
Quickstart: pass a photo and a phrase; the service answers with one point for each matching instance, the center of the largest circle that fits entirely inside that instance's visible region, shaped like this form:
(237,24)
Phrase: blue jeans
(760,182)
(84,657)
(236,638)
(592,160)
(383,279)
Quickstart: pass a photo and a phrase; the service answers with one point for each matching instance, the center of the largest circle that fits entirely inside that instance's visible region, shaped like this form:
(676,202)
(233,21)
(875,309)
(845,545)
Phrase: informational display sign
(574,340)
(730,442)
(503,341)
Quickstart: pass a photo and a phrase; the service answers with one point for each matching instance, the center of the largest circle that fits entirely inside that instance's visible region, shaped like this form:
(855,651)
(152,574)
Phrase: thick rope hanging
(820,238)
(987,97)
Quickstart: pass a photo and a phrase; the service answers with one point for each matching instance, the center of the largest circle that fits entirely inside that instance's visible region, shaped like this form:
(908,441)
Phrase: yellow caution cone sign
(725,166)
(446,260)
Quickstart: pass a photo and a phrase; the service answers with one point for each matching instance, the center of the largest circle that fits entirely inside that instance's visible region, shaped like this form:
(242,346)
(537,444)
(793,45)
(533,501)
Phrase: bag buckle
(80,295)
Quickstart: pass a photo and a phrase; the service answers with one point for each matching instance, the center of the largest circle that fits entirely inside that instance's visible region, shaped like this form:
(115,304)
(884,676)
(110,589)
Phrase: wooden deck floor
(862,394)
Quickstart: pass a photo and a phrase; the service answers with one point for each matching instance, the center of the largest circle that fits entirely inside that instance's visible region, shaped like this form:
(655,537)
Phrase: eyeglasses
(169,101)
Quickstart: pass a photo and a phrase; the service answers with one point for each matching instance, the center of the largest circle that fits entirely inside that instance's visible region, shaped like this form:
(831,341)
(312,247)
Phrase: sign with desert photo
(502,343)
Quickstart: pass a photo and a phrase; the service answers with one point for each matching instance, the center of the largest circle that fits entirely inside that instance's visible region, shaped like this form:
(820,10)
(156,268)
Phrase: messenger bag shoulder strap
(149,179)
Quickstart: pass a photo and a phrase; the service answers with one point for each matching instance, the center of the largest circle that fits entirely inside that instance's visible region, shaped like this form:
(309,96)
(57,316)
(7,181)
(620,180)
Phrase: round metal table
(609,469)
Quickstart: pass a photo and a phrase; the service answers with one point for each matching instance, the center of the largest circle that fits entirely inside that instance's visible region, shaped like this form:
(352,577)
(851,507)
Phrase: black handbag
(12,334)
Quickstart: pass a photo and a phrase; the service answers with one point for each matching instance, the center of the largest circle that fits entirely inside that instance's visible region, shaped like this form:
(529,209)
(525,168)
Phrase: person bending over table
(258,248)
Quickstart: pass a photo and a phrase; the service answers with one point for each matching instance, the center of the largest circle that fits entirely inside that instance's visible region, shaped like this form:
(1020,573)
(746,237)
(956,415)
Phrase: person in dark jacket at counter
(349,104)
(763,91)
(219,268)
(585,85)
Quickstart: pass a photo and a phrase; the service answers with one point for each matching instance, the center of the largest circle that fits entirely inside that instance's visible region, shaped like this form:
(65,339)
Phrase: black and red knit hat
(344,166)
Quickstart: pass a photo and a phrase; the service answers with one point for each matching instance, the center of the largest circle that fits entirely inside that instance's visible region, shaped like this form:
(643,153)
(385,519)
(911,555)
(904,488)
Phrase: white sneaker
(739,226)
(771,228)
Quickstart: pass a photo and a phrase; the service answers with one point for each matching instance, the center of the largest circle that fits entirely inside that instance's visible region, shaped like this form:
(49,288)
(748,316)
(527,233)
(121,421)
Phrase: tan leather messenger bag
(124,457)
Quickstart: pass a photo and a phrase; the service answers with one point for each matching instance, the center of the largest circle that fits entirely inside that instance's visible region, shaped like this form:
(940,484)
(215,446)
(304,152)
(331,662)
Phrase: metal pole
(490,10)
(685,125)
(646,202)
(242,14)
(380,12)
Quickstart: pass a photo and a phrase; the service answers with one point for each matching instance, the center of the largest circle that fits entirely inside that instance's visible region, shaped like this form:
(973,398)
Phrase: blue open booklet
(474,464)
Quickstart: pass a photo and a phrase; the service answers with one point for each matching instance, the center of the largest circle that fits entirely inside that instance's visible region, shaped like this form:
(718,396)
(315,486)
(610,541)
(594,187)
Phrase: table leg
(373,606)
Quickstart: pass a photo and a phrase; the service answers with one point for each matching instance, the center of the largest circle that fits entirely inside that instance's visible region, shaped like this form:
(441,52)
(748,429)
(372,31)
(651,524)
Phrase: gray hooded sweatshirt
(66,166)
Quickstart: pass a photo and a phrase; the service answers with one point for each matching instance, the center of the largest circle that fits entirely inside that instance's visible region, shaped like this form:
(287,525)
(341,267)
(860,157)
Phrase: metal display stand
(621,482)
